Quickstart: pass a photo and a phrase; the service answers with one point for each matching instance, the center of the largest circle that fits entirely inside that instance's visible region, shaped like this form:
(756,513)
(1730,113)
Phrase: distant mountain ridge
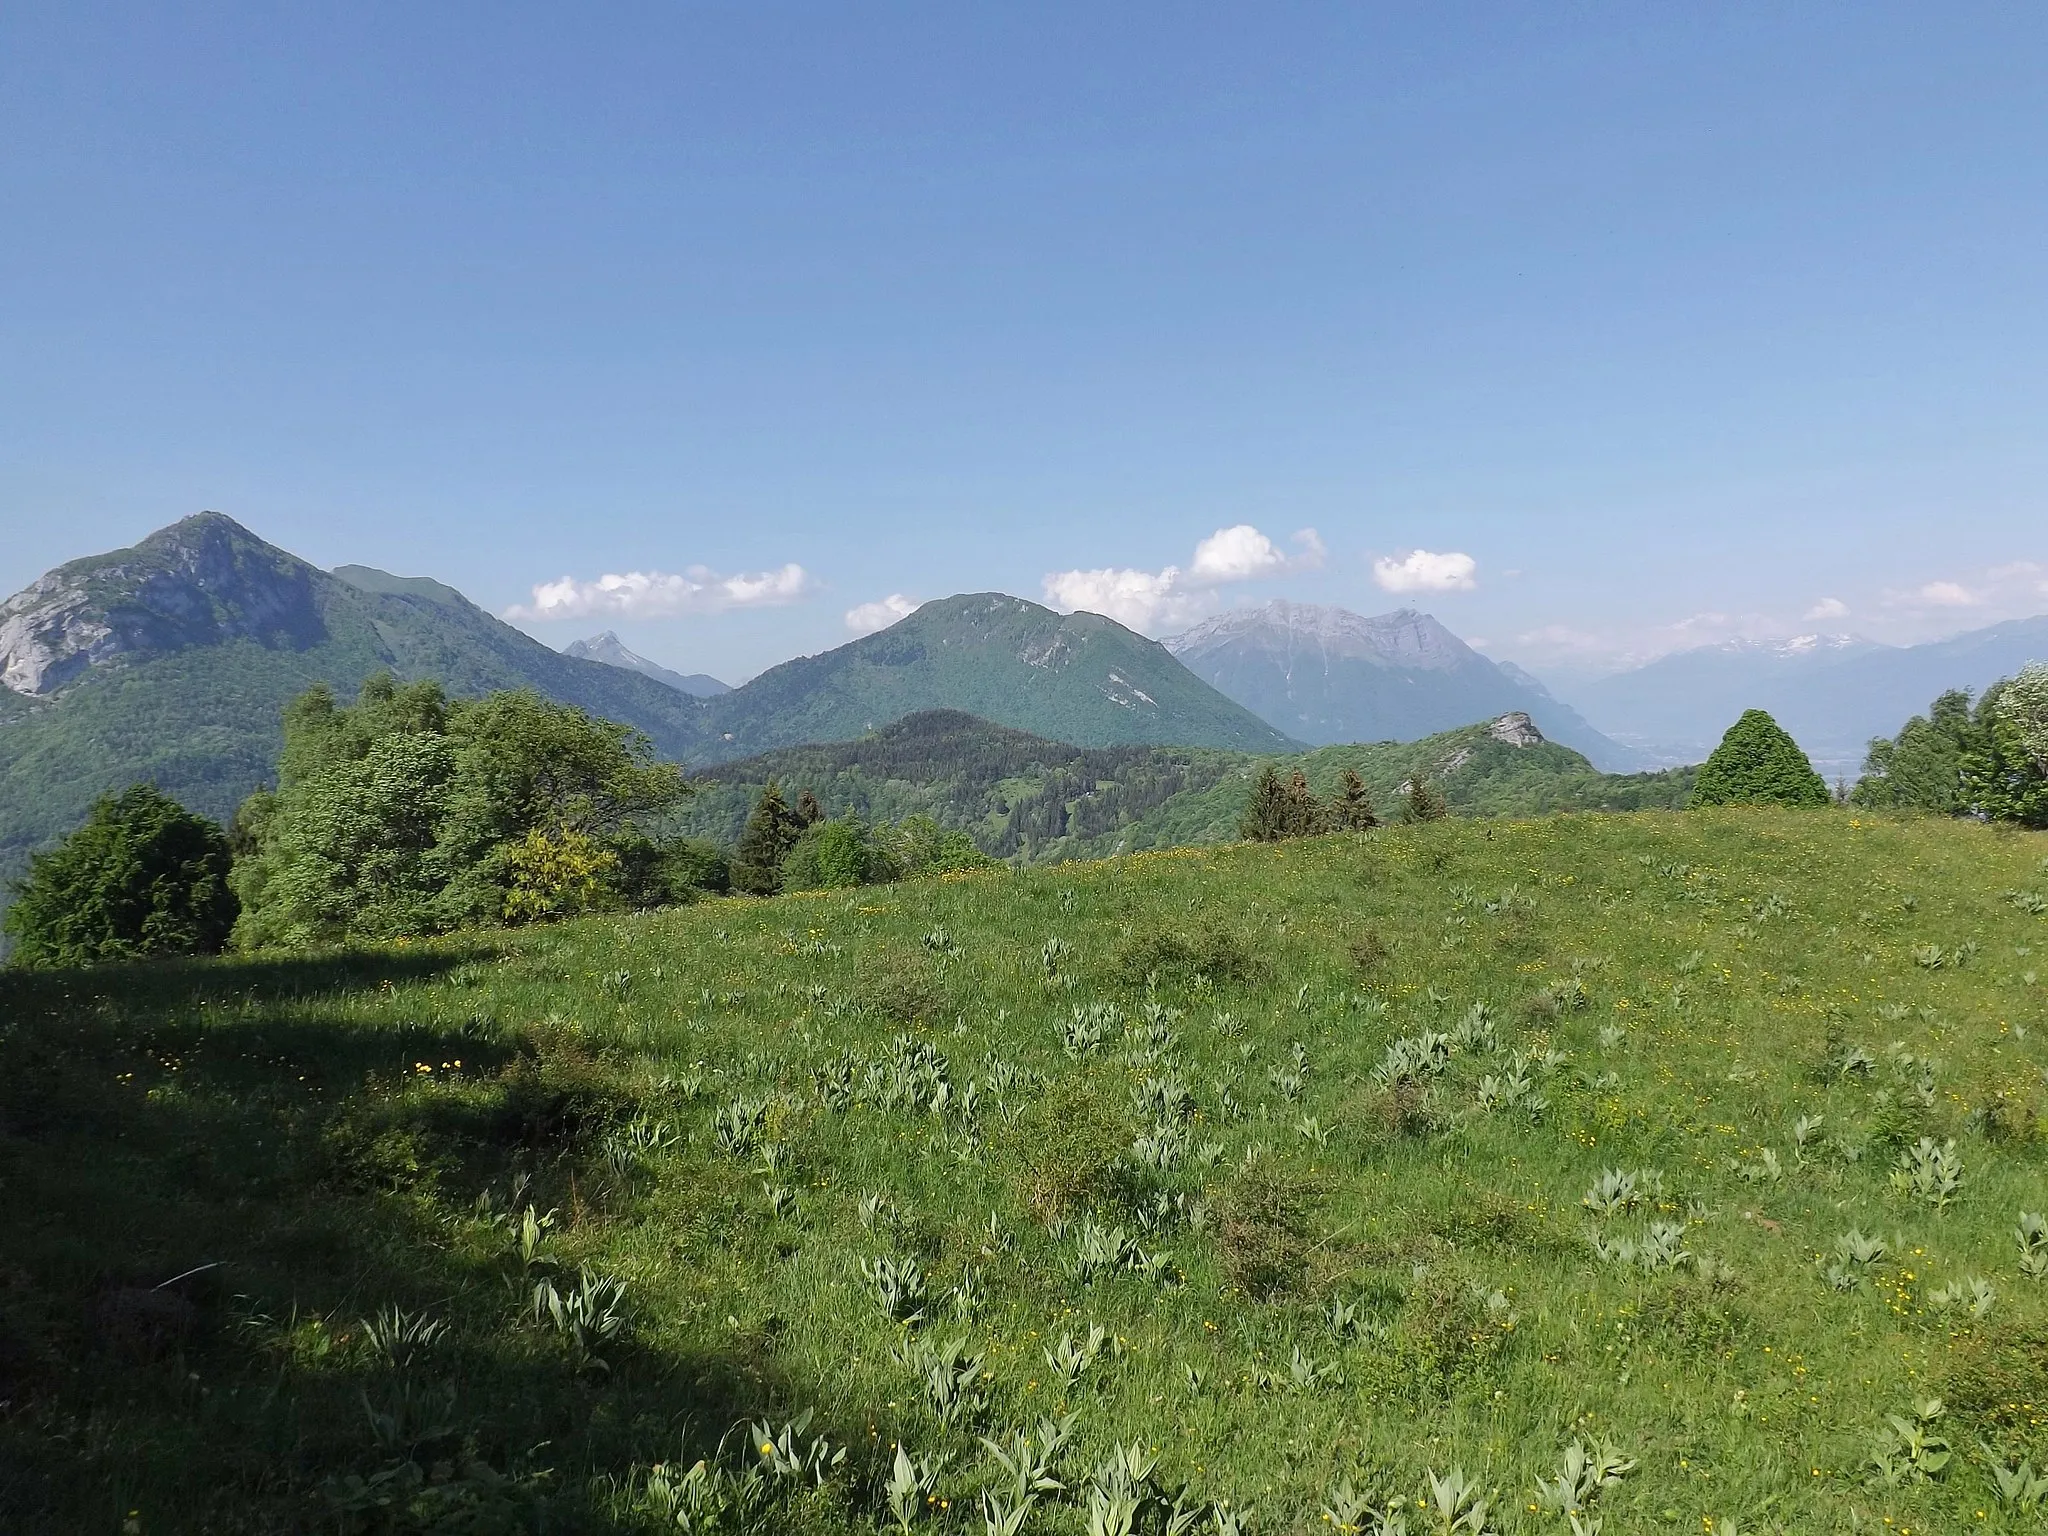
(1328,675)
(612,651)
(171,662)
(1037,801)
(1832,692)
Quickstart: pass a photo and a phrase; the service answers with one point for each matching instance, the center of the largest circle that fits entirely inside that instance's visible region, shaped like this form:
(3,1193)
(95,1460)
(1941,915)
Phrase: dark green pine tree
(1306,815)
(1758,764)
(1353,810)
(771,831)
(1425,801)
(143,876)
(1265,815)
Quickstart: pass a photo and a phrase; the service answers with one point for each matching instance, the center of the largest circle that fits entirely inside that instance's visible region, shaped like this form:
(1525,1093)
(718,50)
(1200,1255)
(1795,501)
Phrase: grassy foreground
(889,1158)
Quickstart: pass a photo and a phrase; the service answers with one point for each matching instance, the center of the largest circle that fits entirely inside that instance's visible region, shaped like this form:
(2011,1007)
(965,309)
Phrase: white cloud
(880,614)
(1140,600)
(1424,571)
(662,594)
(1151,601)
(1828,608)
(1947,594)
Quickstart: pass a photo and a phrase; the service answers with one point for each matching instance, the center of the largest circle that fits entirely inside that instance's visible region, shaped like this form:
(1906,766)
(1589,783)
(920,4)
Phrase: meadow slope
(1431,1150)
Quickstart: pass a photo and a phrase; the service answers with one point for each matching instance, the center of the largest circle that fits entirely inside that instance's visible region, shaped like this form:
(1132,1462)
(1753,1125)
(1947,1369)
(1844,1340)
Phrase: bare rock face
(1516,729)
(203,581)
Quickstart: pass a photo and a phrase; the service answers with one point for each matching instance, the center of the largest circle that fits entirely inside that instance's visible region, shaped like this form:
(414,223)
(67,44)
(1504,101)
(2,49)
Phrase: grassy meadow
(1628,1172)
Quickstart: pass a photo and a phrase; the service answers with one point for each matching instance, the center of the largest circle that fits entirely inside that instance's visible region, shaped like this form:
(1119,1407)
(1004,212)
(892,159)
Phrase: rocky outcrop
(203,581)
(1516,729)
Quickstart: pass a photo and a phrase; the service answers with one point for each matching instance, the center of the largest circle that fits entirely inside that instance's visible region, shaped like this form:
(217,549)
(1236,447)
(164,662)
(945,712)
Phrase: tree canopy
(1757,763)
(1962,761)
(142,876)
(410,813)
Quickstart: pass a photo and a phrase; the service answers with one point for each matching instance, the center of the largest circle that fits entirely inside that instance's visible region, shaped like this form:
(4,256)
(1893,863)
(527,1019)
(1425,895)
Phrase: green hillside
(1038,801)
(1074,677)
(1679,1157)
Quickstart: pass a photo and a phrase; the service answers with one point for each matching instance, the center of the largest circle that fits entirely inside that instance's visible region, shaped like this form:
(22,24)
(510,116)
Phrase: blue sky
(1675,323)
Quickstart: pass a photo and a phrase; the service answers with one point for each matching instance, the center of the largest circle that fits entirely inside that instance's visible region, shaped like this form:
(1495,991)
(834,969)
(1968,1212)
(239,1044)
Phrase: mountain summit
(611,650)
(1329,675)
(1076,677)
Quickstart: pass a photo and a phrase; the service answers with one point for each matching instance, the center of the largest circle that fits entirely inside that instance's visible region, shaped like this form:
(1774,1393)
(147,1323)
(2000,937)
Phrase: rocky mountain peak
(1404,638)
(202,581)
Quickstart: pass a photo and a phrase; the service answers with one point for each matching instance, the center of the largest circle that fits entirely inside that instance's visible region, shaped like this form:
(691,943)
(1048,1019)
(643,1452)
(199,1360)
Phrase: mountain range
(1832,692)
(1327,675)
(610,650)
(171,662)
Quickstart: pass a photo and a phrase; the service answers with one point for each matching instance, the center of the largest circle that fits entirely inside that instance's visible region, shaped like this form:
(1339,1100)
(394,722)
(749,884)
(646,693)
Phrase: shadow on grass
(204,1208)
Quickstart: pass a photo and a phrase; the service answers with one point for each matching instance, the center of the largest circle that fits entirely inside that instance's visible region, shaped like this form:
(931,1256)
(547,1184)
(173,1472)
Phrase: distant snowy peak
(610,650)
(1795,647)
(1404,638)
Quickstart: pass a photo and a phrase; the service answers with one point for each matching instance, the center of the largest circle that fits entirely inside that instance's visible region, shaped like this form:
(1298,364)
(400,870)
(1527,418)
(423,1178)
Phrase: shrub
(1369,951)
(556,874)
(1262,1229)
(1211,954)
(899,985)
(143,876)
(1070,1145)
(1757,763)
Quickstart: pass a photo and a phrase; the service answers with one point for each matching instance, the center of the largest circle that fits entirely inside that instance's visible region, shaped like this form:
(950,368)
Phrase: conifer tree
(1265,816)
(1758,764)
(771,831)
(1354,810)
(1305,814)
(1425,801)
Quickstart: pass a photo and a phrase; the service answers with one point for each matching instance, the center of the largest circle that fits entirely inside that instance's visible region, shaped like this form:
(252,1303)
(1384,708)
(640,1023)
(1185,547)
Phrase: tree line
(410,813)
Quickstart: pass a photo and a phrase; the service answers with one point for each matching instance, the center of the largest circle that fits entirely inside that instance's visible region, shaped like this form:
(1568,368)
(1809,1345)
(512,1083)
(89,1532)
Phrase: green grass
(341,1134)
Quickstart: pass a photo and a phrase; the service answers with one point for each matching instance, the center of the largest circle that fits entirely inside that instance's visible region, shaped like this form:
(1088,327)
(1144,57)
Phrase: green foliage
(409,814)
(1353,811)
(1922,767)
(1957,761)
(2023,705)
(1023,798)
(1758,764)
(1282,807)
(1424,801)
(772,831)
(143,876)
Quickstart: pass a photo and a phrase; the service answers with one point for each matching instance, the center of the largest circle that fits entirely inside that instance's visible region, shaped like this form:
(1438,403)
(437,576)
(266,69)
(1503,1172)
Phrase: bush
(1758,764)
(900,986)
(1213,955)
(830,855)
(143,876)
(1071,1146)
(1262,1229)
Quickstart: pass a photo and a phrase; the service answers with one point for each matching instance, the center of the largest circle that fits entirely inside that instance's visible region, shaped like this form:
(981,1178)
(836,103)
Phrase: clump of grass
(1069,1148)
(1262,1225)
